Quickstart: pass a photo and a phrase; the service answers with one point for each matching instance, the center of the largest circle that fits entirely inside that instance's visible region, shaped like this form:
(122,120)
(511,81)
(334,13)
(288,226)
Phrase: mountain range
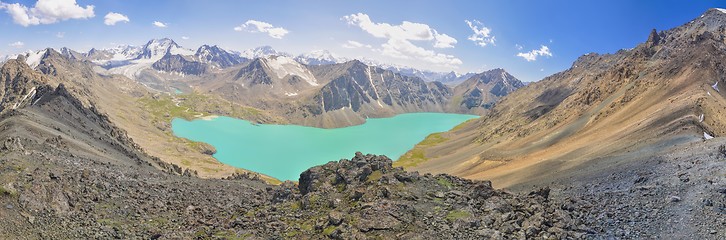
(315,89)
(216,57)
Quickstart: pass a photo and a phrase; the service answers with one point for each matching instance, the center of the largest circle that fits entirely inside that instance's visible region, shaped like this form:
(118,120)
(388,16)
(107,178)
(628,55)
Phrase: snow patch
(721,10)
(504,76)
(33,58)
(132,70)
(261,52)
(700,119)
(370,79)
(289,94)
(30,94)
(284,66)
(707,136)
(181,51)
(715,86)
(319,57)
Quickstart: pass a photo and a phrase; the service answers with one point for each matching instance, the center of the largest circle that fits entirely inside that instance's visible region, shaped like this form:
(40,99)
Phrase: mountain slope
(332,95)
(479,93)
(366,89)
(179,64)
(35,108)
(217,57)
(119,98)
(652,95)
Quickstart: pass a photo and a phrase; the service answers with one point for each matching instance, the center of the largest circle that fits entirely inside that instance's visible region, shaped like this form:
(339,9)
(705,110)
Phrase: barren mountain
(331,95)
(640,129)
(120,98)
(664,89)
(481,91)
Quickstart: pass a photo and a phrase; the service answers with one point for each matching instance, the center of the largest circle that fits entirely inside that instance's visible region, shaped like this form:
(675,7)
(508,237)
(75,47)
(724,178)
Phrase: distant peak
(208,47)
(495,70)
(356,62)
(164,41)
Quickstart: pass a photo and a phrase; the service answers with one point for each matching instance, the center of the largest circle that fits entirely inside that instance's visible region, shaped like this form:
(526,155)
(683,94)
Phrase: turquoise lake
(285,151)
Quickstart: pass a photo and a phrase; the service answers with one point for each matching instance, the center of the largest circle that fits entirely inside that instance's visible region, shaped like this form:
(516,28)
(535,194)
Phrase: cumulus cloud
(17,44)
(444,41)
(159,24)
(532,55)
(482,35)
(47,12)
(399,39)
(355,44)
(112,18)
(255,26)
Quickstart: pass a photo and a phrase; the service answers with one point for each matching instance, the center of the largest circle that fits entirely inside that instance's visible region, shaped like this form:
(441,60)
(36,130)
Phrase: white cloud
(17,44)
(518,47)
(185,38)
(482,35)
(444,41)
(60,34)
(255,26)
(112,18)
(399,40)
(159,24)
(355,44)
(532,55)
(47,12)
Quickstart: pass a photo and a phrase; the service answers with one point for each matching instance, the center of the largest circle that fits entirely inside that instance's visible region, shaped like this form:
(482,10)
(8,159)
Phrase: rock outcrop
(179,64)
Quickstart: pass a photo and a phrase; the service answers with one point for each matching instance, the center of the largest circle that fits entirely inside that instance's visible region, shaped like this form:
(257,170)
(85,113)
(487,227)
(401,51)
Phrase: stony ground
(677,193)
(49,193)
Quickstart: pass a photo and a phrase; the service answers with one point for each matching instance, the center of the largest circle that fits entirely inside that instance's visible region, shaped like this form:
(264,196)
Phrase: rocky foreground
(51,194)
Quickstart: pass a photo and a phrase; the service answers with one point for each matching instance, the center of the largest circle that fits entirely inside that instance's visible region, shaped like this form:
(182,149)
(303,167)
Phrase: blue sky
(530,39)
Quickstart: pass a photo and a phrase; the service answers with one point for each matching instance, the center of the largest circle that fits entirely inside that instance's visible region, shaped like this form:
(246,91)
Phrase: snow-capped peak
(205,53)
(217,56)
(721,10)
(157,48)
(261,52)
(319,57)
(32,58)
